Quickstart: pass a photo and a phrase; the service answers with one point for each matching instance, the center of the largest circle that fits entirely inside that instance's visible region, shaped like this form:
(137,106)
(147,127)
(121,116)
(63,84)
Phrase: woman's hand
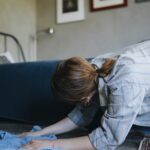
(79,143)
(38,145)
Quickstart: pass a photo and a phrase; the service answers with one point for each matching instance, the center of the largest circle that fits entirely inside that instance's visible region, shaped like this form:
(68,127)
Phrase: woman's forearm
(80,143)
(65,125)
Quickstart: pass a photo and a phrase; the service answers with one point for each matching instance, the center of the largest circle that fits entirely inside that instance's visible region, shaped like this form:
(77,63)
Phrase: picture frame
(97,5)
(70,10)
(140,1)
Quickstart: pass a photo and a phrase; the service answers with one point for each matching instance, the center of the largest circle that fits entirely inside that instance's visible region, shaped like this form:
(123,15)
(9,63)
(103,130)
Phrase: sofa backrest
(25,93)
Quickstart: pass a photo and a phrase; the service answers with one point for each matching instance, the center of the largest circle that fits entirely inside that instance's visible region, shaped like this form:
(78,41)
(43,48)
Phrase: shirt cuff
(98,140)
(77,117)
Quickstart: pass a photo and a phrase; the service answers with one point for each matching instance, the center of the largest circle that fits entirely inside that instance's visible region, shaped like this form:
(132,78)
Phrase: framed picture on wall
(138,1)
(70,10)
(96,5)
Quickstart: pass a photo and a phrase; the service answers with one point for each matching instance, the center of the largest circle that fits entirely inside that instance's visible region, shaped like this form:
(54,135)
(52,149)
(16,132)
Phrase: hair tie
(100,72)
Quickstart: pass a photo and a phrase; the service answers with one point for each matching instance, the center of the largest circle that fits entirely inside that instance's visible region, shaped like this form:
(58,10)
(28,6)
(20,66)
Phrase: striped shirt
(126,92)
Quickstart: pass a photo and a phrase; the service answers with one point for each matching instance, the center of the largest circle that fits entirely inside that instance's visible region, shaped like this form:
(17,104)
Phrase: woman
(123,84)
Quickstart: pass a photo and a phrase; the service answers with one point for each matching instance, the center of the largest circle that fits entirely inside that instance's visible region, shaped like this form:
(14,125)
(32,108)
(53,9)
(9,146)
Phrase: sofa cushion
(25,93)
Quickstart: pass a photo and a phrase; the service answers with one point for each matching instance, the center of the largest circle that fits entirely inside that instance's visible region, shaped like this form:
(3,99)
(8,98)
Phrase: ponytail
(106,68)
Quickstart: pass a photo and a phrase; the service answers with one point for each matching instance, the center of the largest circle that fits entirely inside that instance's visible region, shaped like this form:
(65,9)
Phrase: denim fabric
(10,141)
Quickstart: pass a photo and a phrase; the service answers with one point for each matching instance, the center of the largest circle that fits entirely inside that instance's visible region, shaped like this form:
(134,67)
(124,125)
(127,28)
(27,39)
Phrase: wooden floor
(14,127)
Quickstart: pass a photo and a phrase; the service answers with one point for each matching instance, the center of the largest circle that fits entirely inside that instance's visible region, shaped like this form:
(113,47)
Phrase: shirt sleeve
(83,115)
(124,104)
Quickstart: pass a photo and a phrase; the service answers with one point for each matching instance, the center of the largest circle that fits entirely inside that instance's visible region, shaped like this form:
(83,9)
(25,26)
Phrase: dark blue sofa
(25,93)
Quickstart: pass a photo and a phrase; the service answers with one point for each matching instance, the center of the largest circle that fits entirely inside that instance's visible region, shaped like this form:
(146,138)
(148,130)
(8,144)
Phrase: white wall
(18,17)
(100,32)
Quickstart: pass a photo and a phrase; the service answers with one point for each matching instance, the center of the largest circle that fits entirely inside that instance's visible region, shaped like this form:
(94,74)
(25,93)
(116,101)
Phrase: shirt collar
(102,82)
(102,92)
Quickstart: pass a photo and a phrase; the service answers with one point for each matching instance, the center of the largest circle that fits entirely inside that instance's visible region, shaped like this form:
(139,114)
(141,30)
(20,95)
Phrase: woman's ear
(86,100)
